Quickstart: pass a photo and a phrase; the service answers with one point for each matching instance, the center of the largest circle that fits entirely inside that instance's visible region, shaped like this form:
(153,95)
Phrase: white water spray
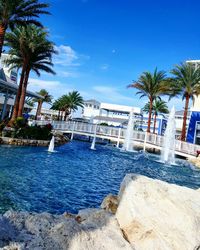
(168,148)
(93,143)
(51,145)
(128,141)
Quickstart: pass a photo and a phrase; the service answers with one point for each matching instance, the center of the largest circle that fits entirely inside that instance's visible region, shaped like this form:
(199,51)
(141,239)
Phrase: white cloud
(55,88)
(66,56)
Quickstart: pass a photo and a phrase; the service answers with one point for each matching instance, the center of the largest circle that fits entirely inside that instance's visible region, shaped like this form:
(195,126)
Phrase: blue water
(76,177)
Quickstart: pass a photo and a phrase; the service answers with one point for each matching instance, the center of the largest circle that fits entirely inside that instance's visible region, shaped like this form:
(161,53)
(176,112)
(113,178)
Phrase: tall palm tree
(68,103)
(185,83)
(151,85)
(30,50)
(159,107)
(19,12)
(46,98)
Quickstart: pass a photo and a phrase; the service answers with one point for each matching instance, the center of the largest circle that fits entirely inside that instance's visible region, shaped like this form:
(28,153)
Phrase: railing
(119,134)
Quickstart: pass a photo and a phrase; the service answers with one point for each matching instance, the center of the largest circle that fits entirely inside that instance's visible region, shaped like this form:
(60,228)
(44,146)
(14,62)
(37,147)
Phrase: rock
(97,229)
(155,215)
(110,203)
(195,161)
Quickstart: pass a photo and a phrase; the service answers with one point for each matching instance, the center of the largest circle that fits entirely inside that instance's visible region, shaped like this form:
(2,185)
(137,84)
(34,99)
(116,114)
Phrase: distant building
(118,115)
(193,130)
(91,109)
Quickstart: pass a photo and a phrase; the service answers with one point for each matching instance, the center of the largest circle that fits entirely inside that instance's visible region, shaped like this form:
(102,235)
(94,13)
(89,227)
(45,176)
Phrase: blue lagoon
(76,177)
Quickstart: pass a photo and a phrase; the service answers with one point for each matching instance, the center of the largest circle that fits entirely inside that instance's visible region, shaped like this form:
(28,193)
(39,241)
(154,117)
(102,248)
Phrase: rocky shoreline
(59,140)
(147,214)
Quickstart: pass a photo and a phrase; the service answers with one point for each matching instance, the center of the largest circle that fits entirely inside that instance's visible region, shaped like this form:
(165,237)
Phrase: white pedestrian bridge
(115,134)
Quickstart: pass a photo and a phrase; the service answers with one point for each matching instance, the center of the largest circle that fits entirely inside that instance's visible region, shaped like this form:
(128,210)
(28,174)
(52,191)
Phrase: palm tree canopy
(21,12)
(69,102)
(29,46)
(151,85)
(159,107)
(46,96)
(185,81)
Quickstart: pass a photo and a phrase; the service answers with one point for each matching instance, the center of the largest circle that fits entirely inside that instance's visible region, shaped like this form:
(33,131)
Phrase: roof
(92,101)
(11,102)
(8,86)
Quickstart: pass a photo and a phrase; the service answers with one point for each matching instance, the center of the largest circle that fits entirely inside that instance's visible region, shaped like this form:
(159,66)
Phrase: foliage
(185,83)
(15,13)
(19,122)
(21,12)
(103,124)
(34,132)
(152,86)
(68,103)
(30,50)
(46,96)
(159,107)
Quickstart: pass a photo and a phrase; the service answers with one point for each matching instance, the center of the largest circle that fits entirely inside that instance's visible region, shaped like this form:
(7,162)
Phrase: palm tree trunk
(183,133)
(58,115)
(2,36)
(23,94)
(154,126)
(39,108)
(150,111)
(17,98)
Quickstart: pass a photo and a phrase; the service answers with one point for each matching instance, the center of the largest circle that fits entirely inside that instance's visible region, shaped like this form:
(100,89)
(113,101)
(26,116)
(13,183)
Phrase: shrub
(20,122)
(103,124)
(34,133)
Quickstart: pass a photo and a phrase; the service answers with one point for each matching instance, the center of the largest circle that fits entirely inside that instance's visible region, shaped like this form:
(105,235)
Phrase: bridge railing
(119,133)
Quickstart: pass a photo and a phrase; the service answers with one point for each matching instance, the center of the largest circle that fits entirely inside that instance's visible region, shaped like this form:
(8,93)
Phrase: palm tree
(159,107)
(68,103)
(19,12)
(185,83)
(151,85)
(30,50)
(46,98)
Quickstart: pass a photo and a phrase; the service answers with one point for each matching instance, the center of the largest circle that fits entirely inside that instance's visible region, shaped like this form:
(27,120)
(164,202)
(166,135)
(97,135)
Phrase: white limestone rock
(155,215)
(97,229)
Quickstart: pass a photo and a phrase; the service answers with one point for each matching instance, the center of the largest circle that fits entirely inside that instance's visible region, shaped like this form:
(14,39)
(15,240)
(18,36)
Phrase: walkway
(146,140)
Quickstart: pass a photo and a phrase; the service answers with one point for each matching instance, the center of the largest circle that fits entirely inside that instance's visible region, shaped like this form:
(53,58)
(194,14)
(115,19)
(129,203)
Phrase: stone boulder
(155,215)
(95,229)
(110,203)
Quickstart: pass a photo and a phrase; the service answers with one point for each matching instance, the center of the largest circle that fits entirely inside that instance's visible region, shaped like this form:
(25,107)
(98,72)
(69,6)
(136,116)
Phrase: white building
(11,74)
(91,109)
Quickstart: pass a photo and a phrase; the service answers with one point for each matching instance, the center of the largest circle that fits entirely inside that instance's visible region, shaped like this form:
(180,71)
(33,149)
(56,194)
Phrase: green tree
(19,12)
(151,85)
(30,50)
(68,103)
(46,98)
(159,107)
(185,83)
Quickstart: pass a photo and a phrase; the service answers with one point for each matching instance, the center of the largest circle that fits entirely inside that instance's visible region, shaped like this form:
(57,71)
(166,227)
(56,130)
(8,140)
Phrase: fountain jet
(128,141)
(51,145)
(168,148)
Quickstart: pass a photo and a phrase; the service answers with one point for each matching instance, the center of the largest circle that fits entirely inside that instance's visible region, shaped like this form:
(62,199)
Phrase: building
(118,115)
(8,90)
(90,110)
(193,130)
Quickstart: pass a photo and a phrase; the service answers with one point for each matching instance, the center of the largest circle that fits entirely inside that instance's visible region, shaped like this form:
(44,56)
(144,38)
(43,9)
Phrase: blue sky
(105,44)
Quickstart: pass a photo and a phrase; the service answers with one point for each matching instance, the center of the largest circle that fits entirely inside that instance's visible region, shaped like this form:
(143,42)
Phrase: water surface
(76,177)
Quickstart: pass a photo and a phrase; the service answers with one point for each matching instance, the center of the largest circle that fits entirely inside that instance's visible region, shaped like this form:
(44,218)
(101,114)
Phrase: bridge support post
(145,141)
(73,128)
(118,139)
